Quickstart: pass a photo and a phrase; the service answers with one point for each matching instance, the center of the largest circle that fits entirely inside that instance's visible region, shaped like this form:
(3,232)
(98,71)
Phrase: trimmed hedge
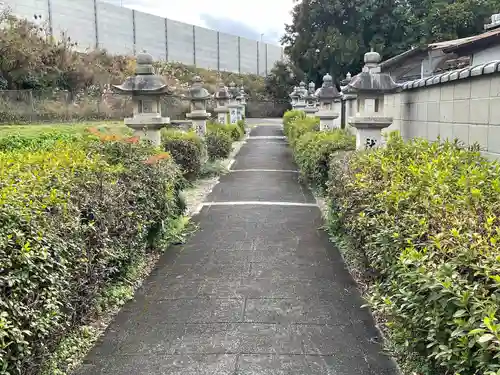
(233,130)
(291,116)
(423,220)
(299,127)
(186,148)
(72,218)
(314,150)
(219,144)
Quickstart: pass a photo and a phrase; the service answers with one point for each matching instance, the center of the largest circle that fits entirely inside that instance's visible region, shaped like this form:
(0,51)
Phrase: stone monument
(311,101)
(146,90)
(234,106)
(301,96)
(198,96)
(294,97)
(222,100)
(370,86)
(326,95)
(243,103)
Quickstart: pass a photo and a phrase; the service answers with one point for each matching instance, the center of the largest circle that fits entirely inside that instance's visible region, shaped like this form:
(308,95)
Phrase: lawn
(76,127)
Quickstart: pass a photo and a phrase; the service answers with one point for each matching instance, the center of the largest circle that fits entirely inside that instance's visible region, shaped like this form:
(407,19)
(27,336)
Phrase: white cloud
(263,16)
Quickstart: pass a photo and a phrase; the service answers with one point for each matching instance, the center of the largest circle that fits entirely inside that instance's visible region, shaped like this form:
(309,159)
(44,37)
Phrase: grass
(77,127)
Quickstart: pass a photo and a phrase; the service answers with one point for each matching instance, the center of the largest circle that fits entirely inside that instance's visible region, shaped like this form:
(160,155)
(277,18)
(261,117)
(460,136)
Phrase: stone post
(198,97)
(243,96)
(146,90)
(294,96)
(370,86)
(301,97)
(311,101)
(349,99)
(234,106)
(326,95)
(222,101)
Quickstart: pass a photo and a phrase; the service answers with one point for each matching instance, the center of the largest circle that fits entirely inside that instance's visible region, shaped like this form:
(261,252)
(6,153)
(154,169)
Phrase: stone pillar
(198,115)
(311,101)
(326,95)
(243,96)
(146,90)
(370,86)
(301,97)
(222,100)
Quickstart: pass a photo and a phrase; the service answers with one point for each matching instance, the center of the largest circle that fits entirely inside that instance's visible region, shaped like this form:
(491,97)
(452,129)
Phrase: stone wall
(463,104)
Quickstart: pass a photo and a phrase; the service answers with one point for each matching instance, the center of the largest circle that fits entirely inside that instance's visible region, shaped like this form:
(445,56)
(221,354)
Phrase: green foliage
(233,130)
(291,116)
(187,150)
(299,127)
(219,144)
(424,217)
(314,150)
(72,218)
(241,124)
(281,80)
(332,35)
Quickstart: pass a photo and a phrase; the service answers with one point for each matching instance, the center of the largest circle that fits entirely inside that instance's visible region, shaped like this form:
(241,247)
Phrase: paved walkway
(258,290)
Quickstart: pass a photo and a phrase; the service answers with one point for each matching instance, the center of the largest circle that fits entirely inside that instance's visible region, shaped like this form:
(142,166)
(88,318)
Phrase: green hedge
(233,130)
(423,220)
(291,116)
(219,144)
(72,218)
(314,150)
(186,148)
(299,127)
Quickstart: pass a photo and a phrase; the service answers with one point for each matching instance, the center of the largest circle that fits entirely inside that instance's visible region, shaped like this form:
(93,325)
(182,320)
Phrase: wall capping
(454,75)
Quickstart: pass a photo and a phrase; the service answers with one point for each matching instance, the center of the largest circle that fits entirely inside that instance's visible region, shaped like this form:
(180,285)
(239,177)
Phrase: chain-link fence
(25,106)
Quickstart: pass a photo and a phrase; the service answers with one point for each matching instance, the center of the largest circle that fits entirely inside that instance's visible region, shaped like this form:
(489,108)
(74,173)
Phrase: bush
(219,144)
(45,141)
(187,150)
(425,218)
(314,150)
(291,116)
(299,127)
(241,125)
(233,130)
(71,220)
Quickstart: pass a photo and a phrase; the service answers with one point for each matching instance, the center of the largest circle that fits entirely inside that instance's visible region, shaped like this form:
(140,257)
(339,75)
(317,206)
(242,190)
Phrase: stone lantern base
(234,113)
(369,131)
(311,111)
(327,119)
(222,115)
(148,127)
(199,119)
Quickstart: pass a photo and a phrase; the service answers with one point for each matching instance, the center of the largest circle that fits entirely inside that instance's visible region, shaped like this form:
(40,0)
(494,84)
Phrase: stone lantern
(326,96)
(243,96)
(294,96)
(311,101)
(348,97)
(146,90)
(302,94)
(199,97)
(370,86)
(234,103)
(222,100)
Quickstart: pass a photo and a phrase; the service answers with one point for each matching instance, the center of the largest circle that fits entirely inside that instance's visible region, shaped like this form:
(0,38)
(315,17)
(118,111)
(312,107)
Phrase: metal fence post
(96,21)
(49,9)
(134,36)
(239,55)
(258,58)
(194,45)
(166,39)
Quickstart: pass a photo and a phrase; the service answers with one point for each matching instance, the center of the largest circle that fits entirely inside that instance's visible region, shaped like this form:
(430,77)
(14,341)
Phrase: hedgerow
(423,218)
(186,148)
(72,218)
(233,130)
(219,144)
(289,117)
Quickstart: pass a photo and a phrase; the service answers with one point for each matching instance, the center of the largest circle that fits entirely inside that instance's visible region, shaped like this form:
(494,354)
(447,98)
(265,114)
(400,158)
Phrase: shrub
(299,127)
(71,220)
(425,217)
(45,141)
(187,150)
(291,116)
(314,150)
(241,125)
(233,130)
(219,144)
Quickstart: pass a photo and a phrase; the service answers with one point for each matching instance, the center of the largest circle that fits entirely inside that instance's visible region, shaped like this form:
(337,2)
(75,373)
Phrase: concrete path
(258,290)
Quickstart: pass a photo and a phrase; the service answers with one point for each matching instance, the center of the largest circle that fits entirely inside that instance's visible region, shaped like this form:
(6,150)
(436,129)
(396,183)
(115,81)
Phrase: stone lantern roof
(311,92)
(371,79)
(295,93)
(243,94)
(327,91)
(233,90)
(222,92)
(144,81)
(197,91)
(302,91)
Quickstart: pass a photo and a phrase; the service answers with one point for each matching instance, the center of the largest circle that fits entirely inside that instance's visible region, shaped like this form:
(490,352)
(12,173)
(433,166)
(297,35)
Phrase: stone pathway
(258,290)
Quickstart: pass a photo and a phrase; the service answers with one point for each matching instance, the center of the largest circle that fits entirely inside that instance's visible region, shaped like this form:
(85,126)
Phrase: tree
(280,81)
(343,30)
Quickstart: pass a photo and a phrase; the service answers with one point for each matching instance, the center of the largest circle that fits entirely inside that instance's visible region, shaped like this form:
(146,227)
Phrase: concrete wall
(463,104)
(120,30)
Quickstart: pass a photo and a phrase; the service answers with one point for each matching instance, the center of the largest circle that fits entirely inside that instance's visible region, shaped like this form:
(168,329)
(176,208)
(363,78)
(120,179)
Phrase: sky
(246,18)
